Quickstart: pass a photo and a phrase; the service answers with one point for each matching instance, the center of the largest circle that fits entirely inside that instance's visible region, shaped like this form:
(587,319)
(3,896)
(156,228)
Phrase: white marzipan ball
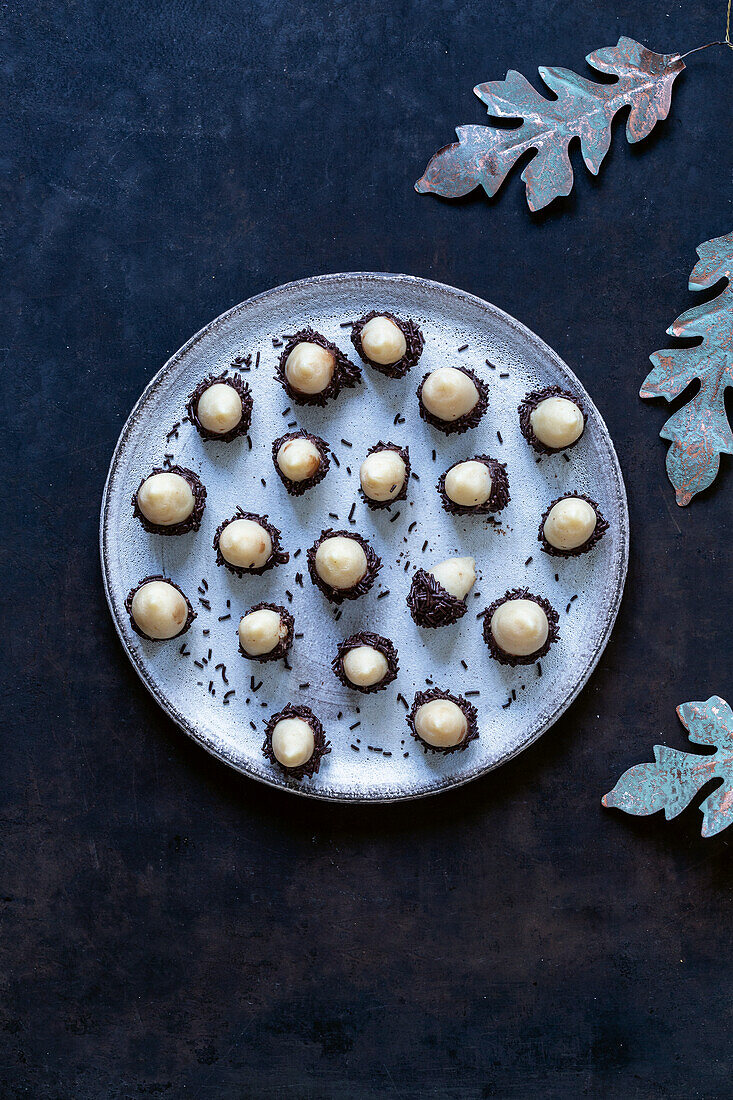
(456,575)
(365,666)
(219,408)
(292,742)
(382,475)
(159,610)
(570,523)
(468,483)
(383,341)
(245,544)
(557,422)
(519,627)
(441,723)
(298,459)
(309,367)
(165,499)
(448,393)
(261,631)
(341,562)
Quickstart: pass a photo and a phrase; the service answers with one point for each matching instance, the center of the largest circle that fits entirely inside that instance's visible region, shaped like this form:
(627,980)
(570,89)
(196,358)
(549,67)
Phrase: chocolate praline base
(321,746)
(413,339)
(297,488)
(277,557)
(598,531)
(345,373)
(131,596)
(430,604)
(498,499)
(192,522)
(530,403)
(552,624)
(468,709)
(337,595)
(236,382)
(283,646)
(376,641)
(404,454)
(469,419)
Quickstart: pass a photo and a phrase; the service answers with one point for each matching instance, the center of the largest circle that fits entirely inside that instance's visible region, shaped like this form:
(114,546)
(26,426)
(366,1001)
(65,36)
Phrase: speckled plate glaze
(373,757)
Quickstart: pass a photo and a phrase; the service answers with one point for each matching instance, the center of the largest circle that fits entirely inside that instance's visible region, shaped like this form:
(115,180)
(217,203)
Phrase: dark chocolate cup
(376,641)
(413,338)
(277,557)
(404,454)
(530,403)
(193,522)
(283,647)
(470,419)
(131,595)
(498,499)
(321,746)
(297,488)
(430,604)
(345,373)
(338,595)
(598,531)
(236,382)
(468,709)
(552,633)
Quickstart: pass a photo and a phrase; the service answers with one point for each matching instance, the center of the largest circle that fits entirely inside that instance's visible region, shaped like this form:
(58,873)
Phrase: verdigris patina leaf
(484,155)
(675,777)
(699,431)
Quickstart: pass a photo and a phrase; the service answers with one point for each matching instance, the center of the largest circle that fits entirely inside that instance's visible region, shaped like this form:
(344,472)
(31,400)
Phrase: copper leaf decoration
(484,154)
(675,777)
(699,431)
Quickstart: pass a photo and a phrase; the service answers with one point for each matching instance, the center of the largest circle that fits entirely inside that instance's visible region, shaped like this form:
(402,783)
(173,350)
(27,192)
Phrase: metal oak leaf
(699,431)
(484,155)
(673,780)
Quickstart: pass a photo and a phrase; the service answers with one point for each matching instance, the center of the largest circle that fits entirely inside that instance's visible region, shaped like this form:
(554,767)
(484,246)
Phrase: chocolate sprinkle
(468,709)
(376,641)
(430,604)
(527,407)
(236,382)
(278,556)
(192,522)
(321,745)
(413,339)
(508,658)
(345,373)
(596,535)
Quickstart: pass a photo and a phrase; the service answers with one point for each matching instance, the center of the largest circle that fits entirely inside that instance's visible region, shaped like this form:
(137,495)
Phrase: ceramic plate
(373,756)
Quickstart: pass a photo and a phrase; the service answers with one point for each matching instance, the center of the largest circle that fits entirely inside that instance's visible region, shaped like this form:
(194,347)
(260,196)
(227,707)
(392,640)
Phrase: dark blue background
(168,928)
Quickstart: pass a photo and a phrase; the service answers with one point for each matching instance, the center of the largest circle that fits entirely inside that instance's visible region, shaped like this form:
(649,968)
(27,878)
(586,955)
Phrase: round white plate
(373,756)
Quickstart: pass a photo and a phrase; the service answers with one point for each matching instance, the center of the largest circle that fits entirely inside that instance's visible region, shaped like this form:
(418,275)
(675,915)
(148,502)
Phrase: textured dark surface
(169,929)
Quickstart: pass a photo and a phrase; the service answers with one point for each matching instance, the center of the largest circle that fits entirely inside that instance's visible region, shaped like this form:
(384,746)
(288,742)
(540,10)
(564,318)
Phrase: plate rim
(190,728)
